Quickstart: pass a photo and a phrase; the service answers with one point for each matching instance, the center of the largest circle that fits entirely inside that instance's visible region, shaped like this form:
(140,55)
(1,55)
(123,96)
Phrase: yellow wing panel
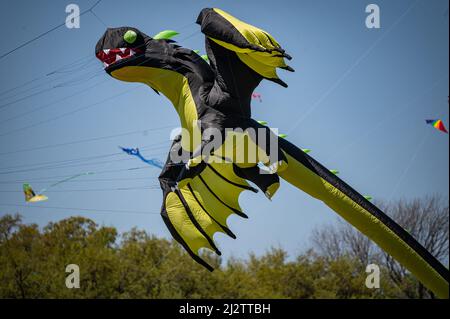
(183,225)
(228,193)
(218,210)
(251,33)
(204,220)
(178,92)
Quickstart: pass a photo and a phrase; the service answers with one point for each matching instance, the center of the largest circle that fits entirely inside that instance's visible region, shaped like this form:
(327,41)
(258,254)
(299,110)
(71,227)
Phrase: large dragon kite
(201,190)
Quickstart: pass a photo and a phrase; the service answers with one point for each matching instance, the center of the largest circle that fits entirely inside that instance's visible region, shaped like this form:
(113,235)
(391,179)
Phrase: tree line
(136,264)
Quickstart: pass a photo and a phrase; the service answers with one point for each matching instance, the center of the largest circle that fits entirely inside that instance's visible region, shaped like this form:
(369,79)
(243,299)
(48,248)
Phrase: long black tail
(310,176)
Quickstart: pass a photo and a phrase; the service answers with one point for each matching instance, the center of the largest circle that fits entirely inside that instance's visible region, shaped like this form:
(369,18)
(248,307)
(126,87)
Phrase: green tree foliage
(427,219)
(136,264)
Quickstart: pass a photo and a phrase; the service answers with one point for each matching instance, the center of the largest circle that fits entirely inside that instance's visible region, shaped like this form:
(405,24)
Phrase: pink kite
(257,96)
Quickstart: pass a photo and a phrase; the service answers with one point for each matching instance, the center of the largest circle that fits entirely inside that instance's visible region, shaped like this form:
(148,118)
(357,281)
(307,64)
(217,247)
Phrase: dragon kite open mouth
(112,56)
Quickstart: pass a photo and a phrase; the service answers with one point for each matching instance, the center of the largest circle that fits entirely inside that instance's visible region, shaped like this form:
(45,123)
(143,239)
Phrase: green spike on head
(166,34)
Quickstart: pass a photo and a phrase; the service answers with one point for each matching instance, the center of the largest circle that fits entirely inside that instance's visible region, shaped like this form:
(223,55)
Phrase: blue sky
(358,99)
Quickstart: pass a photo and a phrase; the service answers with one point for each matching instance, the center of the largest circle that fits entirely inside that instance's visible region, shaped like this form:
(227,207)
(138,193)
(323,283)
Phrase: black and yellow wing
(240,54)
(197,209)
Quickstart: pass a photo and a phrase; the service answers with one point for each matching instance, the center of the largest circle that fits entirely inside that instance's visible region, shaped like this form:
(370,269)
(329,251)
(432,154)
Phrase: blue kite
(135,152)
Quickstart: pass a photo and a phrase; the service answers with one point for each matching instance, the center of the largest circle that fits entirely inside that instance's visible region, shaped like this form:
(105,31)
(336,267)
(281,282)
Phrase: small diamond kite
(437,124)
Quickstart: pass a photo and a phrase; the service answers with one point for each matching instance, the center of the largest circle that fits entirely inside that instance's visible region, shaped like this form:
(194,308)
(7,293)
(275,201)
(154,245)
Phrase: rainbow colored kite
(437,124)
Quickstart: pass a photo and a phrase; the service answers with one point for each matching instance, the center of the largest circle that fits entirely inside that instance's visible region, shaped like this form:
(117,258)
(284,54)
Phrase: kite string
(47,78)
(412,160)
(63,69)
(350,69)
(73,82)
(50,80)
(98,18)
(83,210)
(96,103)
(77,162)
(40,179)
(46,32)
(410,163)
(127,188)
(65,180)
(72,177)
(82,79)
(46,105)
(83,61)
(386,119)
(84,181)
(87,140)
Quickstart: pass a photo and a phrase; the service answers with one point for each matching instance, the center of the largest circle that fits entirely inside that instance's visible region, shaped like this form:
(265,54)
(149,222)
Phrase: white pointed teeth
(115,55)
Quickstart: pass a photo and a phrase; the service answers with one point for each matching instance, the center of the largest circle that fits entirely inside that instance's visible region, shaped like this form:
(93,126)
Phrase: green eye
(130,36)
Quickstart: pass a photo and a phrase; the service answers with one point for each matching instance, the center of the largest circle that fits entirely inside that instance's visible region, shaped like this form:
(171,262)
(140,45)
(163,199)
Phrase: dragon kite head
(119,47)
(129,55)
